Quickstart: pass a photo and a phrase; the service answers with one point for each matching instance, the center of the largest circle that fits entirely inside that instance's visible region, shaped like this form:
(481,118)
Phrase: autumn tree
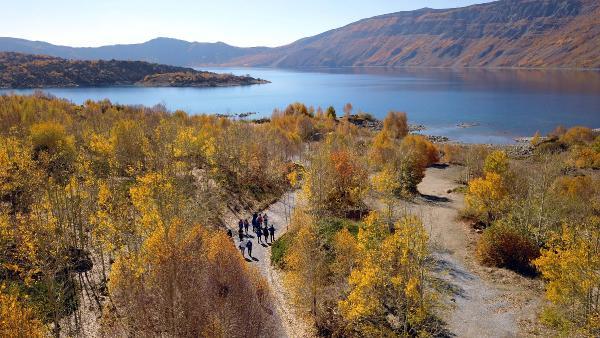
(389,295)
(306,266)
(331,113)
(335,181)
(570,265)
(18,320)
(53,149)
(396,125)
(487,197)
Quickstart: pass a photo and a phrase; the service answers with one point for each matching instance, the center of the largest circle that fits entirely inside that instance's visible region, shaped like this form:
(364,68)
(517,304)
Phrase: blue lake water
(503,103)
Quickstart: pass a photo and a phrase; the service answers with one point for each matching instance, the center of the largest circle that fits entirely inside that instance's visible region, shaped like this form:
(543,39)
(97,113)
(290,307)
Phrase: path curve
(480,306)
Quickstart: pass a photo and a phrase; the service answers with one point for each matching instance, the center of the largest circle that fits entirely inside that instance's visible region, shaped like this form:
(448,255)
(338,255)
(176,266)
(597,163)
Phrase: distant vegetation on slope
(506,33)
(36,71)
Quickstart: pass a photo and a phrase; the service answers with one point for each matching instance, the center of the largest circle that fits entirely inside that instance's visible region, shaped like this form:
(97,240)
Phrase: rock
(467,124)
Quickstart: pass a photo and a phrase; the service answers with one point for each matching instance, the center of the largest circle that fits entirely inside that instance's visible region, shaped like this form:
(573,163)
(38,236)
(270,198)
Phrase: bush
(577,135)
(505,247)
(328,227)
(279,249)
(395,123)
(53,148)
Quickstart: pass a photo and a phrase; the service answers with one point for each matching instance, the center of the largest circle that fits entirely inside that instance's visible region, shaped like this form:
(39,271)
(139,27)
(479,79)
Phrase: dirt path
(288,322)
(485,302)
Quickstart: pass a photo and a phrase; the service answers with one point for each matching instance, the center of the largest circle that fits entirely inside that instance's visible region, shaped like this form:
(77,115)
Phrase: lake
(502,104)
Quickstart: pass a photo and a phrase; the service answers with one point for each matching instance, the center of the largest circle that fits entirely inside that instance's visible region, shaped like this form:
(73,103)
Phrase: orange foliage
(426,151)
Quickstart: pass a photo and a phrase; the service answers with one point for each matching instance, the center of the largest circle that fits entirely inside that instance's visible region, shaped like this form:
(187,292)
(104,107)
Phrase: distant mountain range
(505,33)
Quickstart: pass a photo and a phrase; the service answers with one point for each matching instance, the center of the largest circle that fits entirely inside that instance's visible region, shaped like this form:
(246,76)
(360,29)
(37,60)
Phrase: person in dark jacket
(272,233)
(259,234)
(249,247)
(254,223)
(241,234)
(241,224)
(246,225)
(265,232)
(229,233)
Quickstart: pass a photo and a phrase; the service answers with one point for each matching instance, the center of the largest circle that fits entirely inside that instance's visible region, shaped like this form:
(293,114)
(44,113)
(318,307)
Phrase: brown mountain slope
(506,33)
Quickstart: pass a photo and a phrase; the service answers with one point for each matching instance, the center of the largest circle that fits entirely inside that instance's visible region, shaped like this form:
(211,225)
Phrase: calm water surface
(504,103)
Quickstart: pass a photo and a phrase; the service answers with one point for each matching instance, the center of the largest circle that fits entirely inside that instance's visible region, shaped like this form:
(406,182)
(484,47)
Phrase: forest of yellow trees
(117,212)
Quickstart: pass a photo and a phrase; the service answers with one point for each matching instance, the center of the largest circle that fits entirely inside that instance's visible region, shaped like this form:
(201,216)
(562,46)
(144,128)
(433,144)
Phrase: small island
(40,71)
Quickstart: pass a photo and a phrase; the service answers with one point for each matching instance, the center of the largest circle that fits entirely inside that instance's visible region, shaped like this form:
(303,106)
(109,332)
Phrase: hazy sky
(237,22)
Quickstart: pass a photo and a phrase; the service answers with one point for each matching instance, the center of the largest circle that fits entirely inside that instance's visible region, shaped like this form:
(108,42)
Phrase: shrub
(279,249)
(426,151)
(577,135)
(53,148)
(451,154)
(505,247)
(496,162)
(395,123)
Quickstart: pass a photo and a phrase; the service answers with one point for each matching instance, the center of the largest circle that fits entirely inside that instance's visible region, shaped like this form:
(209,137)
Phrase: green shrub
(329,226)
(279,249)
(506,247)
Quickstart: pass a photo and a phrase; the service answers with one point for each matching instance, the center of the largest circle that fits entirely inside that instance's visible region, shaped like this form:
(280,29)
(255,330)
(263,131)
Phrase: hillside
(506,33)
(36,71)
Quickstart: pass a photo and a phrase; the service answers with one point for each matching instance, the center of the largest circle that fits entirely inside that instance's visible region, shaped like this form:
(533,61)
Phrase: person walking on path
(242,247)
(249,247)
(229,233)
(246,225)
(258,234)
(241,234)
(254,222)
(265,232)
(259,221)
(272,233)
(266,219)
(241,224)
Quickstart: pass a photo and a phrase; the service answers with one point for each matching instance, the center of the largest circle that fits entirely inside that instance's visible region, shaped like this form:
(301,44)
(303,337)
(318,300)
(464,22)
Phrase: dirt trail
(288,322)
(485,302)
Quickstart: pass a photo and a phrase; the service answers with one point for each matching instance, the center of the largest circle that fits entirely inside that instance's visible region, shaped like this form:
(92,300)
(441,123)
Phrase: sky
(245,23)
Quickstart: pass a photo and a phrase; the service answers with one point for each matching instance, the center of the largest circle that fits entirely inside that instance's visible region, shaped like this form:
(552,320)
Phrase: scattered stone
(468,124)
(416,127)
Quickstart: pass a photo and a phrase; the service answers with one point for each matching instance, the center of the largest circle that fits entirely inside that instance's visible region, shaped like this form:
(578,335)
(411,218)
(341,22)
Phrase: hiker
(241,234)
(249,247)
(242,247)
(254,217)
(241,224)
(265,232)
(266,220)
(254,223)
(246,225)
(259,221)
(258,234)
(229,233)
(272,232)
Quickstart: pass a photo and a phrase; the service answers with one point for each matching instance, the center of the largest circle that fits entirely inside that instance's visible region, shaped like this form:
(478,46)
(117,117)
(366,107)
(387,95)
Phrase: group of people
(261,228)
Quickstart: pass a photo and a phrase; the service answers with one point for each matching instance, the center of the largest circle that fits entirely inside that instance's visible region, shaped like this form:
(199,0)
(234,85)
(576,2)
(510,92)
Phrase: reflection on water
(504,103)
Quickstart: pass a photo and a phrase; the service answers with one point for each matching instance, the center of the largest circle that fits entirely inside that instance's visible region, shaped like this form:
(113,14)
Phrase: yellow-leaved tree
(571,265)
(487,196)
(16,319)
(389,295)
(307,275)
